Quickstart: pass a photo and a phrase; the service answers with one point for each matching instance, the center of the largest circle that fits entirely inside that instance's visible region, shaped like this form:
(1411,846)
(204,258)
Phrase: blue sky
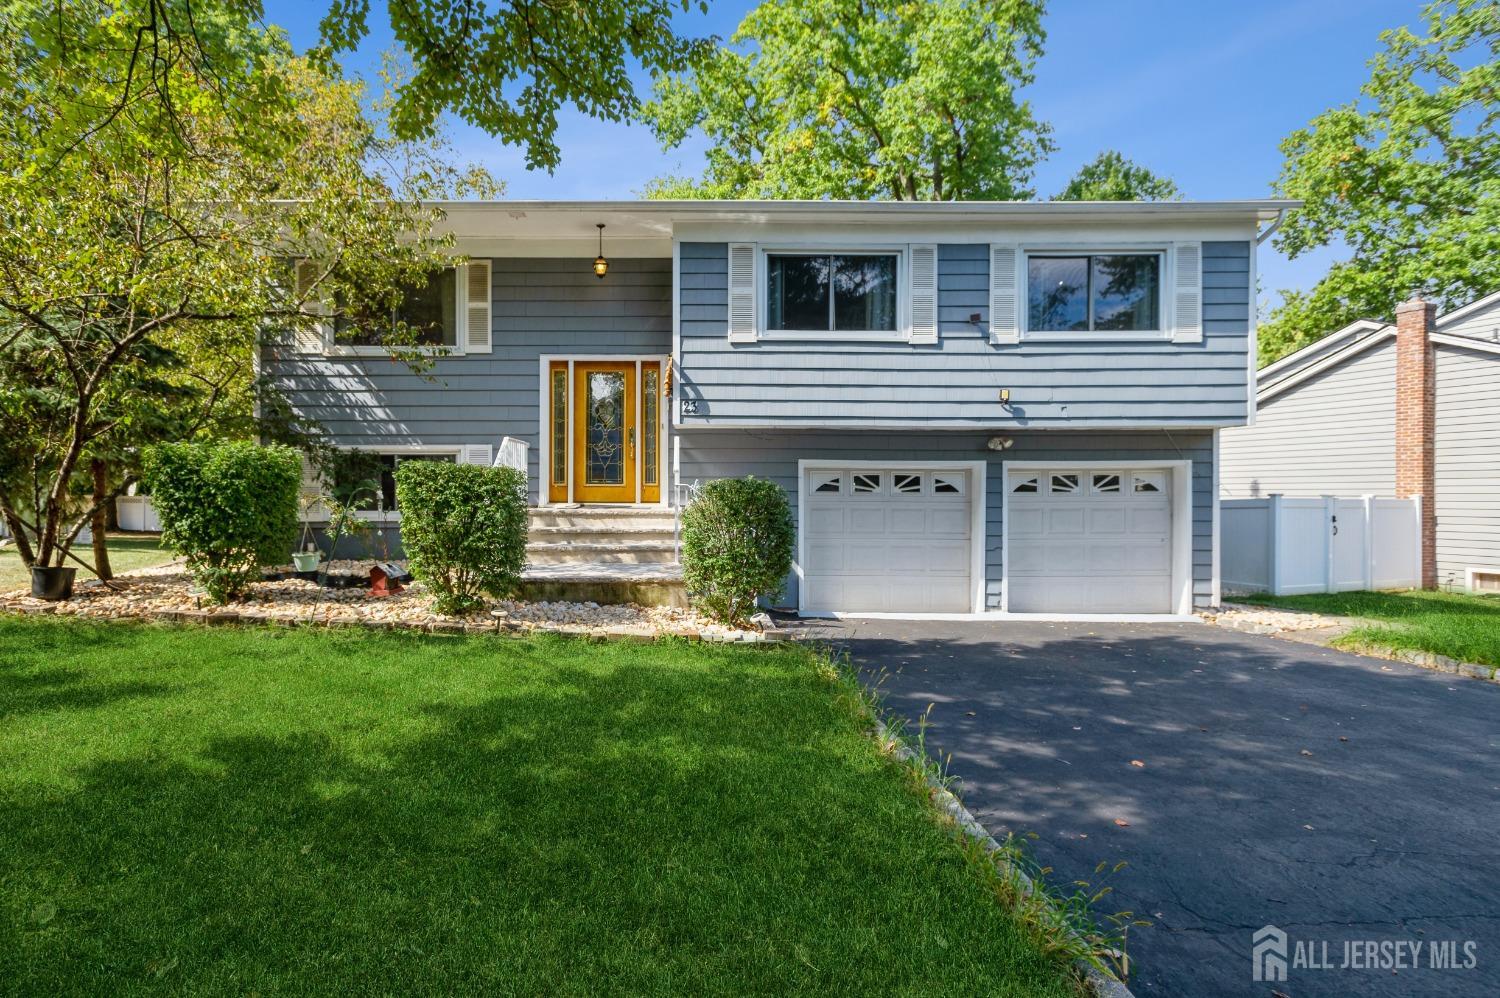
(1202,92)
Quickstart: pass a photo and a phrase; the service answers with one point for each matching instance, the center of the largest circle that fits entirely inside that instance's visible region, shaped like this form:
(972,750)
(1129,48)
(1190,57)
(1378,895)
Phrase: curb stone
(1100,984)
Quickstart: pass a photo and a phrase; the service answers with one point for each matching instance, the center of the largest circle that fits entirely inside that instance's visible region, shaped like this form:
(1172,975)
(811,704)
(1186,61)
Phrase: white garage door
(887,540)
(1090,540)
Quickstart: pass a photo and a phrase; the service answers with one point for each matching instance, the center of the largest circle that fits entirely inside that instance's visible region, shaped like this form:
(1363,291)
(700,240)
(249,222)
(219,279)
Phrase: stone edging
(225,617)
(1328,622)
(1100,984)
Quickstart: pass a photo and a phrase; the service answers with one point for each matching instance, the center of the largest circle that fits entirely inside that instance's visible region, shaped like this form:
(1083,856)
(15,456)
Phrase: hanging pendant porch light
(601,265)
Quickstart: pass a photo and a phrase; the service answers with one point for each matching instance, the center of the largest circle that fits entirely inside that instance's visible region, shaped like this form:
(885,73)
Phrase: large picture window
(1074,293)
(366,480)
(831,292)
(431,310)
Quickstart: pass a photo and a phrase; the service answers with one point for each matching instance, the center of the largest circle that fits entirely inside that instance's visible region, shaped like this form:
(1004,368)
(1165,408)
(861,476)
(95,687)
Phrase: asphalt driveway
(1337,797)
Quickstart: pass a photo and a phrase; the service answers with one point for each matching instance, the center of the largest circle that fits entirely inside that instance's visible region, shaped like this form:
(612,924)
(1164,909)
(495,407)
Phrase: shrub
(464,529)
(737,546)
(228,508)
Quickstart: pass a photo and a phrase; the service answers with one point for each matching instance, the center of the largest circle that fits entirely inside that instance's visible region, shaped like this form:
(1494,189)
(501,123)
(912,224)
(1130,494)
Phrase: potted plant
(52,582)
(305,561)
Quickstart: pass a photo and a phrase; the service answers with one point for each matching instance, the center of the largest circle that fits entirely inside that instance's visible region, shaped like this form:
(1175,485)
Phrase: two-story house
(972,406)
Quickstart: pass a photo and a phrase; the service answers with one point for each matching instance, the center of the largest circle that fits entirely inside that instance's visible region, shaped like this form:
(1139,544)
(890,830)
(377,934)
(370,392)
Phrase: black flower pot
(52,583)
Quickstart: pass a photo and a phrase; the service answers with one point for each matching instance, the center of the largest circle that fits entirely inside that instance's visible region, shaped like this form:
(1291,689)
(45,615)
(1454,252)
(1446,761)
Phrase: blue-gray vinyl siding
(540,307)
(773,454)
(1105,383)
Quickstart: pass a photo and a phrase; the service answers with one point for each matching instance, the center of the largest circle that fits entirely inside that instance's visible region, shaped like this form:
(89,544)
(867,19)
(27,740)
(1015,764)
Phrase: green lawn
(126,552)
(1454,624)
(271,811)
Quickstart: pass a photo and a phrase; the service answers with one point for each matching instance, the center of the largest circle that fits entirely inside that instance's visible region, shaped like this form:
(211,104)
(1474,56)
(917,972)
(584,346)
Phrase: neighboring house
(1404,409)
(972,406)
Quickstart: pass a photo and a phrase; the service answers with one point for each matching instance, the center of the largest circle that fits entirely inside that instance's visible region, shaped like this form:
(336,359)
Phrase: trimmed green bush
(737,539)
(228,508)
(463,527)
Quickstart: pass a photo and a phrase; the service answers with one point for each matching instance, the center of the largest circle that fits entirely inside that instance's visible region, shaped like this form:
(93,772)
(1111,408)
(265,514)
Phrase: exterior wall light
(601,265)
(999,443)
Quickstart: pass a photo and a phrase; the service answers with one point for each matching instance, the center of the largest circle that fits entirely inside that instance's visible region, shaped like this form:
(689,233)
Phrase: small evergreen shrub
(227,508)
(463,527)
(737,539)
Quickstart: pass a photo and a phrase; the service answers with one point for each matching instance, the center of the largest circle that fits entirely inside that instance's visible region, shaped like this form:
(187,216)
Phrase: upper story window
(1092,292)
(430,310)
(831,292)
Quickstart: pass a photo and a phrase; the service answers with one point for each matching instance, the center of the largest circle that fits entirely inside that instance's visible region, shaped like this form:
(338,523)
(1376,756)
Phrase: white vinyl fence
(1287,546)
(136,513)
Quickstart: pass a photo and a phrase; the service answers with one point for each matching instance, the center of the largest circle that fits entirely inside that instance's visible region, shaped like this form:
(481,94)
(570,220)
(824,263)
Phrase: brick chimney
(1416,405)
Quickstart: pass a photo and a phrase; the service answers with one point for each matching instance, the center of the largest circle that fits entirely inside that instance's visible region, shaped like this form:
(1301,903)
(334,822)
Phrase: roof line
(1334,359)
(1474,306)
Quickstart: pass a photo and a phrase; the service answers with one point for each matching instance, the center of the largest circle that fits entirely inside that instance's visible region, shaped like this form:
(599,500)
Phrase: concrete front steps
(602,554)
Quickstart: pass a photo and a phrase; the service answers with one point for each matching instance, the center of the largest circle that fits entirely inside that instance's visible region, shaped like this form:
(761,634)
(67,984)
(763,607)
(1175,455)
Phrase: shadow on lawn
(654,828)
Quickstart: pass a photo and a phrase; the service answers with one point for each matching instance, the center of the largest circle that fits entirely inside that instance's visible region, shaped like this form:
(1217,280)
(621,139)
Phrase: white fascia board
(1466,343)
(1459,314)
(1314,369)
(1322,345)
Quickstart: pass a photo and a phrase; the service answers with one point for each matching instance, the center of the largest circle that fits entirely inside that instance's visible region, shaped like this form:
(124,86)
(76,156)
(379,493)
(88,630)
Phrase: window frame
(1162,251)
(398,452)
(332,348)
(900,251)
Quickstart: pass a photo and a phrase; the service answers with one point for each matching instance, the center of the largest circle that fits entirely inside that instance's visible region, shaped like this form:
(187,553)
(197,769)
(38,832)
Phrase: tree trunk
(99,523)
(22,542)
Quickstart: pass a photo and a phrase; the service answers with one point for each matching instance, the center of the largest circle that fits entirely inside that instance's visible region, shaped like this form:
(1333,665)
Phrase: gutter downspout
(1269,230)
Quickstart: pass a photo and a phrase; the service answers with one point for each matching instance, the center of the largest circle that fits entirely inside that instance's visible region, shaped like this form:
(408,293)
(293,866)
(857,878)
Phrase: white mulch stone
(166,590)
(1269,620)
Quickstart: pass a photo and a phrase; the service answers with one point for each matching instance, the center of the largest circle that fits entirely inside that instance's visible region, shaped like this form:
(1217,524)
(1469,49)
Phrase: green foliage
(159,162)
(1112,177)
(1407,178)
(228,508)
(737,541)
(464,529)
(469,58)
(861,99)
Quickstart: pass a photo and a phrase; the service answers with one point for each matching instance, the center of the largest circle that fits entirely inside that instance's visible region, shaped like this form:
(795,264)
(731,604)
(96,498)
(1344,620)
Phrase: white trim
(1465,342)
(1061,618)
(1472,570)
(1182,519)
(674,362)
(1463,312)
(902,253)
(1318,367)
(1166,256)
(544,436)
(1291,360)
(999,424)
(976,497)
(1216,591)
(1252,354)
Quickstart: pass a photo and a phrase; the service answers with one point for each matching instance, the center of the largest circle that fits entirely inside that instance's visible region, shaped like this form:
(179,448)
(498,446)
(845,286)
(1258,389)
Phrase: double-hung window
(1094,292)
(429,310)
(813,292)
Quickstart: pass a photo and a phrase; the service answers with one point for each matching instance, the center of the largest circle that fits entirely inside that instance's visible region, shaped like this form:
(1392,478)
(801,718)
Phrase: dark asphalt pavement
(1337,797)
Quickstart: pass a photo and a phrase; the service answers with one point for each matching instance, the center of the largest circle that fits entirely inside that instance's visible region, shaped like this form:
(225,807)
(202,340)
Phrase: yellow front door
(604,432)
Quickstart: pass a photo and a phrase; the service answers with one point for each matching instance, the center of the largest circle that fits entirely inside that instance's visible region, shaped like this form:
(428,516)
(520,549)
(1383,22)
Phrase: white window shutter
(924,294)
(481,454)
(1187,293)
(313,487)
(477,307)
(1006,293)
(742,327)
(310,339)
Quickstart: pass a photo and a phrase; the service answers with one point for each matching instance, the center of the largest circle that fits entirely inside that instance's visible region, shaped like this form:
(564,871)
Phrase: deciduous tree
(1112,177)
(160,166)
(862,99)
(1407,177)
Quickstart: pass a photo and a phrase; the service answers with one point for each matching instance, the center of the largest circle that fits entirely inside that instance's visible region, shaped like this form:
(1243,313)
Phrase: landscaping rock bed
(166,593)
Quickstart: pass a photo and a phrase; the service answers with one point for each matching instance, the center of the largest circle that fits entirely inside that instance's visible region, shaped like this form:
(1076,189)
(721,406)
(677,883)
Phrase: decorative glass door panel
(604,431)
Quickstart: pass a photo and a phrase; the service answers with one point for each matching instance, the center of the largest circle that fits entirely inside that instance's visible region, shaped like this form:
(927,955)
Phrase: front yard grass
(127,552)
(1458,625)
(273,810)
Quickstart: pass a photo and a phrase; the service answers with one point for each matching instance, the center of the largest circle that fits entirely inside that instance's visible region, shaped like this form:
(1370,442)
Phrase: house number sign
(690,407)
